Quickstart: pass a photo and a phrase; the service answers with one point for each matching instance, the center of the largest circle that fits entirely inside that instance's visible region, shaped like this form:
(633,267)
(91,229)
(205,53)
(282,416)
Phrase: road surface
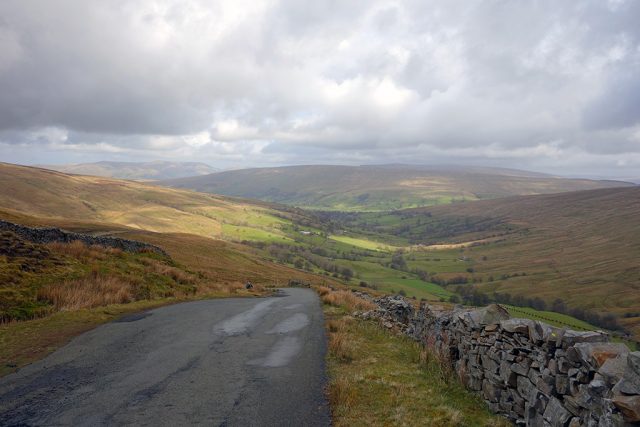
(225,362)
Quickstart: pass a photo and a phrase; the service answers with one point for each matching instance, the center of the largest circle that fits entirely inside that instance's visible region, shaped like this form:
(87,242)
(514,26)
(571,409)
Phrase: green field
(552,318)
(364,243)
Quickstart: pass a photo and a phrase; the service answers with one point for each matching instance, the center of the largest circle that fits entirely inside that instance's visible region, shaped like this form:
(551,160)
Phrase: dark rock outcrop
(50,235)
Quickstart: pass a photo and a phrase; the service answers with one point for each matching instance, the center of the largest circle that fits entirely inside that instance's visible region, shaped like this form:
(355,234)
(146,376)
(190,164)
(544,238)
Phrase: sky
(545,85)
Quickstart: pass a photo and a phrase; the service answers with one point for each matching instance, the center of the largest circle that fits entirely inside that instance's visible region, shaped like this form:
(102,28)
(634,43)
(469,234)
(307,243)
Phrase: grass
(575,246)
(578,247)
(48,194)
(364,243)
(88,292)
(37,280)
(552,318)
(378,378)
(393,281)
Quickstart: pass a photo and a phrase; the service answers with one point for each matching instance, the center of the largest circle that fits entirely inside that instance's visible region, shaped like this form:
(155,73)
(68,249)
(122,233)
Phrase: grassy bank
(378,378)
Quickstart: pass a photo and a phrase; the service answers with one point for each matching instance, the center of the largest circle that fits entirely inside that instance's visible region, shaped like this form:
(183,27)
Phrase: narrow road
(226,362)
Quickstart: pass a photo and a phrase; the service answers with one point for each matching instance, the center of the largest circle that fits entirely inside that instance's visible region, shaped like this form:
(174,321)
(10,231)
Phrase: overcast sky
(552,86)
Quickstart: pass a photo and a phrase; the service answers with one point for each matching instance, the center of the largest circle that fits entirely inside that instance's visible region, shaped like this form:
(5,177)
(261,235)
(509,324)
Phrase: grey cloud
(350,81)
(618,106)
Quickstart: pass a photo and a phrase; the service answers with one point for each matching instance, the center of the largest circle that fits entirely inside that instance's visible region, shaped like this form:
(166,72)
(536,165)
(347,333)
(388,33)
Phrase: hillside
(581,247)
(136,170)
(45,193)
(379,188)
(577,246)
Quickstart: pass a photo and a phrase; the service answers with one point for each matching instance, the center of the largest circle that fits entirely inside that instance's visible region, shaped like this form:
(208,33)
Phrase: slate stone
(525,387)
(541,332)
(490,392)
(520,326)
(630,382)
(564,365)
(573,337)
(629,406)
(597,388)
(575,422)
(546,384)
(613,369)
(571,405)
(520,369)
(562,384)
(556,414)
(633,359)
(491,328)
(596,354)
(492,314)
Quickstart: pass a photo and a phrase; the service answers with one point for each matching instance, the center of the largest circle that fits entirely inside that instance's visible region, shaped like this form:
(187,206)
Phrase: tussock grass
(340,344)
(178,275)
(78,249)
(88,292)
(391,380)
(345,299)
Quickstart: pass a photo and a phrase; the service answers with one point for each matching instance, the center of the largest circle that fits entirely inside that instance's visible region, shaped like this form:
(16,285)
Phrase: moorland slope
(45,193)
(580,247)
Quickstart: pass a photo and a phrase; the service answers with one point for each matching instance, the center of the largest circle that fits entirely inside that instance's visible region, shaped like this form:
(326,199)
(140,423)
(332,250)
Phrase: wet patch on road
(132,317)
(241,324)
(281,353)
(294,323)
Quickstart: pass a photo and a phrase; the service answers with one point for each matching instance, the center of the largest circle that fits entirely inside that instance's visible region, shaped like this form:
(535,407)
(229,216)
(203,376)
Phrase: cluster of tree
(307,258)
(455,280)
(398,262)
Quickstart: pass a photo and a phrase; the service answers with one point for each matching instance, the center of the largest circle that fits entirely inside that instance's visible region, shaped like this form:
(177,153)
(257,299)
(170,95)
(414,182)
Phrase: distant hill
(381,187)
(136,170)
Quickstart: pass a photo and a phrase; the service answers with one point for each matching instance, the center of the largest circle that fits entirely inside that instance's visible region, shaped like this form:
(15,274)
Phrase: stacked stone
(530,372)
(50,235)
(394,312)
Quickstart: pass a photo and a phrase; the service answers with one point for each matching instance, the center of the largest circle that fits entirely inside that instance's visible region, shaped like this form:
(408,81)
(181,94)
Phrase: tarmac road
(224,362)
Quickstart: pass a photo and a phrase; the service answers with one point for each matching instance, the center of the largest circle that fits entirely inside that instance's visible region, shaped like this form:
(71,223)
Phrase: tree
(398,262)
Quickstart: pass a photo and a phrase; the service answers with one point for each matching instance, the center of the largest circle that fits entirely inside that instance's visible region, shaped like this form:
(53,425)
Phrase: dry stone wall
(49,235)
(530,372)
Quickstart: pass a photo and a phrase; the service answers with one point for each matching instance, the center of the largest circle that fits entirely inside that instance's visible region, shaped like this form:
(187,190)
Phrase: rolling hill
(136,170)
(581,247)
(379,188)
(46,193)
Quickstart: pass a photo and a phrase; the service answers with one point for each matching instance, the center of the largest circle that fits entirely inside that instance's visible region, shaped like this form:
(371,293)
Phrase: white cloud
(250,82)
